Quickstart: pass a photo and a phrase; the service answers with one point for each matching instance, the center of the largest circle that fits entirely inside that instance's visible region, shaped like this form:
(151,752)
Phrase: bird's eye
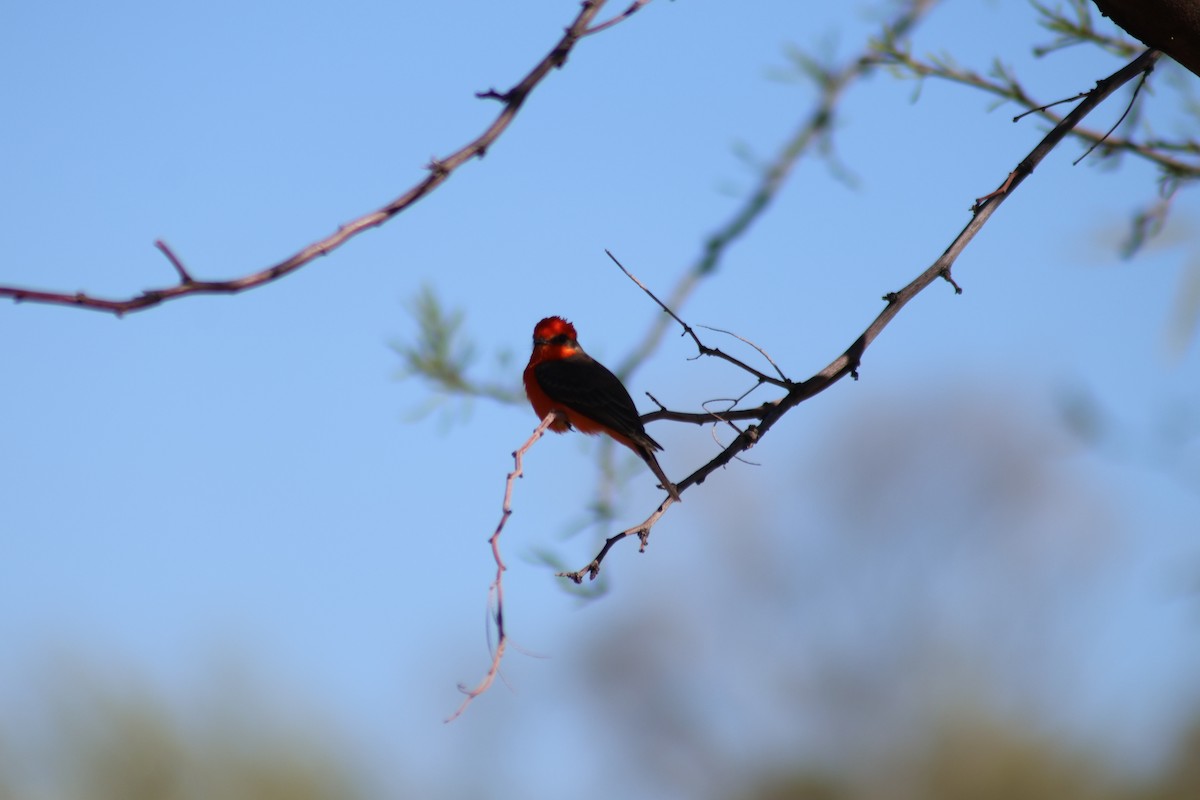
(561,339)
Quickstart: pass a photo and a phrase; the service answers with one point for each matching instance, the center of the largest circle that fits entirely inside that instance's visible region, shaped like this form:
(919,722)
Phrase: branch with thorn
(769,413)
(439,171)
(765,415)
(497,588)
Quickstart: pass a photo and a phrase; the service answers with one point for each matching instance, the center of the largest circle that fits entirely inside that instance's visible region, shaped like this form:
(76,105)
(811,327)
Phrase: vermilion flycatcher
(562,378)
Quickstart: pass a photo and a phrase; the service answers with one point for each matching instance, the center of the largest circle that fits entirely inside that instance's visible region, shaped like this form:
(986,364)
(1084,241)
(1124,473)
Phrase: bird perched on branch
(587,396)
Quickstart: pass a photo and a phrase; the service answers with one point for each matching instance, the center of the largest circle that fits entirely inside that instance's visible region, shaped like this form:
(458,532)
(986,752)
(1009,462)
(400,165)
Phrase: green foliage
(438,352)
(1074,26)
(441,354)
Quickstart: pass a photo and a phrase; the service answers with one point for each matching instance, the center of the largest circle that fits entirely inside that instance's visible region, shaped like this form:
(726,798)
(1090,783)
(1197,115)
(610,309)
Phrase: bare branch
(848,362)
(709,417)
(497,588)
(439,171)
(642,531)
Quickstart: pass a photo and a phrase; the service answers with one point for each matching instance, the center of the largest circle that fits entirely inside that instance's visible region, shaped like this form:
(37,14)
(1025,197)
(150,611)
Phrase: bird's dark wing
(586,386)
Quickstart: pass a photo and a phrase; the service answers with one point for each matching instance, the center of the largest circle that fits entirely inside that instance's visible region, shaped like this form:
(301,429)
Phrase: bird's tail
(648,454)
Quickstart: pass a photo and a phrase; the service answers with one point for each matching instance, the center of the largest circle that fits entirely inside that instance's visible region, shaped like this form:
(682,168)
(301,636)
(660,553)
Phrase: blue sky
(243,480)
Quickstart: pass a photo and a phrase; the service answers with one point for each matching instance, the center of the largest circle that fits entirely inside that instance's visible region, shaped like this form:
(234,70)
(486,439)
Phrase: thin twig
(703,349)
(184,277)
(642,531)
(1040,109)
(439,171)
(626,14)
(496,590)
(1129,107)
(1155,152)
(744,340)
(646,289)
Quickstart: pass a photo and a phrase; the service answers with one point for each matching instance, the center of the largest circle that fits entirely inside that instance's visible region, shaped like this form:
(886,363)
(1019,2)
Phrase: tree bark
(1172,26)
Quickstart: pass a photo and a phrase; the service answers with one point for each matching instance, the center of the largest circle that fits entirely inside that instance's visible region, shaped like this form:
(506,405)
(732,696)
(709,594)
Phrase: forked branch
(848,362)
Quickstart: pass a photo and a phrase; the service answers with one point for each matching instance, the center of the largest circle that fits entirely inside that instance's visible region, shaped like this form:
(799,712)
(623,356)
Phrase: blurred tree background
(916,647)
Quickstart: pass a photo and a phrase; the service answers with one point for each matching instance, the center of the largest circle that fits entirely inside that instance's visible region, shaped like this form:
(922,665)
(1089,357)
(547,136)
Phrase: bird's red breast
(553,339)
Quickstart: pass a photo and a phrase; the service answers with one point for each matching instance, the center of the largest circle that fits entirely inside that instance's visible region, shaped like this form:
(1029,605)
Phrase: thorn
(946,276)
(185,277)
(492,94)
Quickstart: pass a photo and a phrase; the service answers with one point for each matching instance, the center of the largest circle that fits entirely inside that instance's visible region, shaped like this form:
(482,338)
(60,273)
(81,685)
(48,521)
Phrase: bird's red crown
(550,327)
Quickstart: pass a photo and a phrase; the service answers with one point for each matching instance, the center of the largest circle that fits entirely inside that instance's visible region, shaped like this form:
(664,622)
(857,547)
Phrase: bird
(561,377)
